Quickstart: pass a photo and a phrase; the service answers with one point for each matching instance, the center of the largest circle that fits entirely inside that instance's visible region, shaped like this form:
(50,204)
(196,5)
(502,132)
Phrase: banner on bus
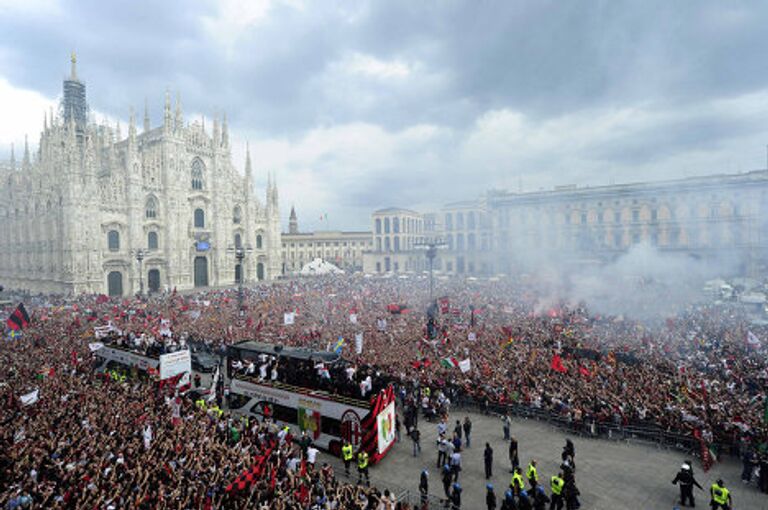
(175,363)
(385,422)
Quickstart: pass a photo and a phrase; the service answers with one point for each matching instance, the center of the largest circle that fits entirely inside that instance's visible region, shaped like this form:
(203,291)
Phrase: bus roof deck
(254,347)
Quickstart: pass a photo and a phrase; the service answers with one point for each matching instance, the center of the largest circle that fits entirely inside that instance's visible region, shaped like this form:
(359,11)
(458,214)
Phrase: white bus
(327,418)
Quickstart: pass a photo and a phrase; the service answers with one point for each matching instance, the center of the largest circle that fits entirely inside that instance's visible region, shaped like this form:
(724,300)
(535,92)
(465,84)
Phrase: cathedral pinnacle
(146,115)
(26,160)
(225,132)
(132,127)
(179,113)
(167,110)
(13,158)
(248,170)
(73,70)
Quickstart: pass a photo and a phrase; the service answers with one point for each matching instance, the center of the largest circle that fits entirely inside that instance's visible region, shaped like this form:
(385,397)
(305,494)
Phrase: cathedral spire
(73,67)
(13,158)
(225,132)
(216,131)
(248,169)
(146,115)
(45,120)
(132,127)
(179,113)
(118,133)
(26,161)
(167,111)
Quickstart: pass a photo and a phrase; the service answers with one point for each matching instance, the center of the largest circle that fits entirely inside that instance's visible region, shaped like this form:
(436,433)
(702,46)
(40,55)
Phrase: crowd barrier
(636,433)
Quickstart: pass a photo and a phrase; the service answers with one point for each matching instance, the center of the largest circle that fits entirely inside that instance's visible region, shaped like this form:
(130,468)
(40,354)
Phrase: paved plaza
(611,475)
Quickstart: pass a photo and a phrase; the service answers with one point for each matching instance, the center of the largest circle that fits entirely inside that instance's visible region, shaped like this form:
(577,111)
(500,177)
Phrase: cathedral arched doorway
(260,271)
(115,283)
(153,280)
(201,272)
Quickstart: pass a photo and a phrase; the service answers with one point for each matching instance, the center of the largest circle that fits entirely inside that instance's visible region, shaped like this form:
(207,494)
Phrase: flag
(509,343)
(30,398)
(557,364)
(359,343)
(288,318)
(449,362)
(14,334)
(752,340)
(465,366)
(353,318)
(445,304)
(583,371)
(339,345)
(19,318)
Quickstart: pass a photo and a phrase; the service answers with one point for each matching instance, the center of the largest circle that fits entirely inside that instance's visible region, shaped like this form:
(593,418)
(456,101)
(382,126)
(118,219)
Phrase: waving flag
(19,319)
(339,346)
(557,364)
(449,362)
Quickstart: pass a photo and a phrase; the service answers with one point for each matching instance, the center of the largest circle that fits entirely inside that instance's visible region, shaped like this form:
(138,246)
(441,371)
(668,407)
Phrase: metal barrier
(604,430)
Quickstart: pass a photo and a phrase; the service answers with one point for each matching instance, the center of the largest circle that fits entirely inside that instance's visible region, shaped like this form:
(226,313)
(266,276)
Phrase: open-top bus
(328,418)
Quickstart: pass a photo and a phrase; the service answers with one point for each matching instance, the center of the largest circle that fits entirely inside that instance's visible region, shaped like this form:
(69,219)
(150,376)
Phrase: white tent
(319,267)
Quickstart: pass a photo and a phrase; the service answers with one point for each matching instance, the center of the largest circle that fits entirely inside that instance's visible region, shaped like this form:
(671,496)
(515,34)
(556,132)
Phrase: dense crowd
(95,443)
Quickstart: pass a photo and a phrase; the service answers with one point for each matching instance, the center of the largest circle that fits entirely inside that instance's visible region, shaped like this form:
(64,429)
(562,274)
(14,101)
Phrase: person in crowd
(687,481)
(488,461)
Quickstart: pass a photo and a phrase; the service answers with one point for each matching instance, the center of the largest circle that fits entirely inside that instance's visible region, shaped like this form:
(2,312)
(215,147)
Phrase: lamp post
(431,246)
(240,252)
(140,254)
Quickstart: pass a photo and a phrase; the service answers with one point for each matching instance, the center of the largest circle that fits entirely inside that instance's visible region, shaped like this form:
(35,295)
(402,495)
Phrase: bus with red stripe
(327,417)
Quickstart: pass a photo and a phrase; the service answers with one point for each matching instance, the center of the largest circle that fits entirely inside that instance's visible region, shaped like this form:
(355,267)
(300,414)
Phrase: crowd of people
(83,442)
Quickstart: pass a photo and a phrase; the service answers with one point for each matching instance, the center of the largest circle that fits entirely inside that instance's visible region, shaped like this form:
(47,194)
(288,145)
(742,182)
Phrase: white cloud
(368,65)
(25,109)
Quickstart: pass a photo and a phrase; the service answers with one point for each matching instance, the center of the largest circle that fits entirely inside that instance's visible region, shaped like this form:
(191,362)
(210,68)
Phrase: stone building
(342,249)
(98,212)
(396,236)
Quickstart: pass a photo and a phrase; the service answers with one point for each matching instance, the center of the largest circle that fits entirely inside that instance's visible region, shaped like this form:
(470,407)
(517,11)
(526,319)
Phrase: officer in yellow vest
(362,468)
(200,403)
(721,497)
(346,454)
(517,484)
(532,474)
(556,483)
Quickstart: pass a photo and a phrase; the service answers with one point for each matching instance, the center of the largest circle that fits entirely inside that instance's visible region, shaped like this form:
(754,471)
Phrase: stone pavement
(611,475)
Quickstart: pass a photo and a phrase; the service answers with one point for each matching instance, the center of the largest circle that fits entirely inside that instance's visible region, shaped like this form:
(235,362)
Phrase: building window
(600,217)
(471,242)
(259,242)
(583,218)
(386,225)
(617,217)
(378,225)
(448,221)
(459,241)
(387,246)
(199,218)
(396,225)
(654,215)
(152,241)
(617,239)
(150,210)
(397,243)
(197,174)
(237,215)
(113,240)
(635,216)
(471,220)
(459,220)
(238,241)
(378,244)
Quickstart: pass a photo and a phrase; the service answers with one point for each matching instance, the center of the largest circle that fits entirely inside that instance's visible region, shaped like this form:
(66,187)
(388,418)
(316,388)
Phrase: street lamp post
(431,246)
(140,254)
(240,252)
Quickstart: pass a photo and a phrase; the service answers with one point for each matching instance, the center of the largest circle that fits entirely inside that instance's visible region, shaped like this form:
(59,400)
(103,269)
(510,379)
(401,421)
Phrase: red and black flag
(18,319)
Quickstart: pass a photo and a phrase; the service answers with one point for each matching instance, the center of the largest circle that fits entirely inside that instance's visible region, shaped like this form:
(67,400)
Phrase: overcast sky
(359,105)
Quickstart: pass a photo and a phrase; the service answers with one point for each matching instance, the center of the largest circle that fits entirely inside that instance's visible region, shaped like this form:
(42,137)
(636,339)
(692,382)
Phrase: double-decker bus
(329,418)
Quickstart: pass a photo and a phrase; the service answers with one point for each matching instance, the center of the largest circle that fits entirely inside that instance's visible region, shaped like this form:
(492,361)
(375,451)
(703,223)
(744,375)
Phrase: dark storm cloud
(553,71)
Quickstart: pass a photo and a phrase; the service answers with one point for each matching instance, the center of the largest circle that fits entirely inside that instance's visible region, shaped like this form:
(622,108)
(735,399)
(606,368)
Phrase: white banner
(471,336)
(385,422)
(175,363)
(30,398)
(353,318)
(465,366)
(359,343)
(288,318)
(95,346)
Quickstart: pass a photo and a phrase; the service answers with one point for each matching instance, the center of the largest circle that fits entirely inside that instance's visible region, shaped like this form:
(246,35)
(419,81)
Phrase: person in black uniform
(488,459)
(513,458)
(447,478)
(456,497)
(424,486)
(687,481)
(490,497)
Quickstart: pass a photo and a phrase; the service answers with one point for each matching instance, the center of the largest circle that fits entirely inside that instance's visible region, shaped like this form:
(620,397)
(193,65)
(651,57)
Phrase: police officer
(490,497)
(447,478)
(524,501)
(540,498)
(532,474)
(721,497)
(488,459)
(687,481)
(362,468)
(424,486)
(513,459)
(509,500)
(517,484)
(456,497)
(347,454)
(556,483)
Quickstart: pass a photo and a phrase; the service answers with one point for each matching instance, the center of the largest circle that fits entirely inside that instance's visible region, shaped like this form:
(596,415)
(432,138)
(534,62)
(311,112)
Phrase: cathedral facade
(93,211)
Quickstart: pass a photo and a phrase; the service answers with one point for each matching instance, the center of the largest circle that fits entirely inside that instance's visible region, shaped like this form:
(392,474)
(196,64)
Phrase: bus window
(285,414)
(331,426)
(237,401)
